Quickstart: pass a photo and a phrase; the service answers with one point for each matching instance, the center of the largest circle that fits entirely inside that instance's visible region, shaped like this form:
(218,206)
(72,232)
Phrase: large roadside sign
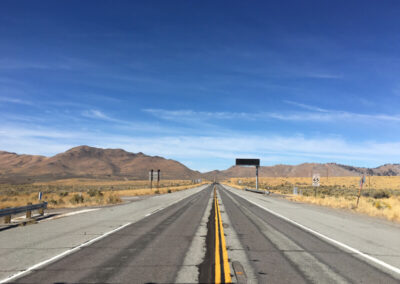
(248,162)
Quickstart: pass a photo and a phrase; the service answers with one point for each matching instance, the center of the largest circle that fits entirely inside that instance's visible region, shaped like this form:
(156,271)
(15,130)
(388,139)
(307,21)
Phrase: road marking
(340,244)
(70,214)
(220,246)
(65,253)
(217,278)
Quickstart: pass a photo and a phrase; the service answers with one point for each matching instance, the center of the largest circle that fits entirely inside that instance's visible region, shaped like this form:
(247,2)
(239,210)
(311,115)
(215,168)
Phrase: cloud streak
(15,101)
(314,114)
(97,114)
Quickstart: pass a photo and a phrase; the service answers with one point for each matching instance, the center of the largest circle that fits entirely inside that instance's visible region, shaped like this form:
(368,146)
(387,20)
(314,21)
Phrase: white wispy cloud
(97,114)
(334,115)
(321,75)
(15,101)
(305,106)
(314,114)
(60,63)
(15,64)
(193,115)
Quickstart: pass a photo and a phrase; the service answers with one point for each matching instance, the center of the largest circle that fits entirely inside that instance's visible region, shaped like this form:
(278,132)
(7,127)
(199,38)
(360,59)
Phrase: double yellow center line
(222,270)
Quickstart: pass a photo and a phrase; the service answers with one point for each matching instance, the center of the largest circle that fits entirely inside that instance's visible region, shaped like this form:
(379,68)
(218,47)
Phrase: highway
(204,235)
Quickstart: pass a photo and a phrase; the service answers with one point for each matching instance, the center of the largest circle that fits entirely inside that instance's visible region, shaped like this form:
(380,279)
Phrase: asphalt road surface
(204,235)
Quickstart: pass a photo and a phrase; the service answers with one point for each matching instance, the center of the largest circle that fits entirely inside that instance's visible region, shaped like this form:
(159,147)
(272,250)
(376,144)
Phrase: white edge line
(70,214)
(67,252)
(373,259)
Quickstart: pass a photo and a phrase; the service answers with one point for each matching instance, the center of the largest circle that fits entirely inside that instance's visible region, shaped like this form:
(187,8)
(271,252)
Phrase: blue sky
(203,82)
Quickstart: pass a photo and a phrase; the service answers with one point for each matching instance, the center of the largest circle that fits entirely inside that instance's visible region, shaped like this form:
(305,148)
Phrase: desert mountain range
(90,162)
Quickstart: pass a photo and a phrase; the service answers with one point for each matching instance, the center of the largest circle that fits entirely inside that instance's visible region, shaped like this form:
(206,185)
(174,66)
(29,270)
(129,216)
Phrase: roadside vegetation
(380,195)
(84,192)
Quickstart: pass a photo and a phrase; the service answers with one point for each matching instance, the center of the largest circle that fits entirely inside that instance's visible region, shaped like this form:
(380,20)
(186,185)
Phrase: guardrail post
(7,219)
(29,212)
(41,211)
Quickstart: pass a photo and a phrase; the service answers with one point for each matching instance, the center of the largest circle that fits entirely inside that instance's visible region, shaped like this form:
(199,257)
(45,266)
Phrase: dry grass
(84,192)
(61,200)
(110,183)
(161,190)
(388,208)
(380,195)
(373,182)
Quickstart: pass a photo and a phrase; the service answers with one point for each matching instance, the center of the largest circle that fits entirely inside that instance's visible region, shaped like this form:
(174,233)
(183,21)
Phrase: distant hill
(90,162)
(304,170)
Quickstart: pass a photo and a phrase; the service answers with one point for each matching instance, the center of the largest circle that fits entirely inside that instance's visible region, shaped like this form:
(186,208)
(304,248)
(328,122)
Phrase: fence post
(7,219)
(29,212)
(41,211)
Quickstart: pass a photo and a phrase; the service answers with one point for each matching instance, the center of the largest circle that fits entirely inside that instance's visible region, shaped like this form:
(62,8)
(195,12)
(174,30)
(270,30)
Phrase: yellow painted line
(224,252)
(220,240)
(217,256)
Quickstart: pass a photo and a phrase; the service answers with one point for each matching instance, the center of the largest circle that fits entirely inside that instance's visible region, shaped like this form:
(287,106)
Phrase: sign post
(250,162)
(256,177)
(315,182)
(151,178)
(362,181)
(158,177)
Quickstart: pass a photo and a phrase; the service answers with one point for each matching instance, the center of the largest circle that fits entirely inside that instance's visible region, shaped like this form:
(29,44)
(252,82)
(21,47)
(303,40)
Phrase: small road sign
(315,179)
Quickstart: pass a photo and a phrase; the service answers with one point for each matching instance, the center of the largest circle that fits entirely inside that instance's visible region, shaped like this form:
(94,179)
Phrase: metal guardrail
(257,191)
(7,212)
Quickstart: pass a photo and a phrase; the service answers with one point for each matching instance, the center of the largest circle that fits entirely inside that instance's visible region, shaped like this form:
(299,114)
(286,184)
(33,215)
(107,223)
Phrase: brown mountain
(304,170)
(90,162)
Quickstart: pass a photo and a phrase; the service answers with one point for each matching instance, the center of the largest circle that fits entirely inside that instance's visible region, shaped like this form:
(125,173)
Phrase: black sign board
(247,162)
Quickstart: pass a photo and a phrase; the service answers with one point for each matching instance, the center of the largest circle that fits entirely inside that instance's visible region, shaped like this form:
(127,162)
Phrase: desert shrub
(381,194)
(61,201)
(366,194)
(94,192)
(378,204)
(169,191)
(112,199)
(77,198)
(157,192)
(62,194)
(53,202)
